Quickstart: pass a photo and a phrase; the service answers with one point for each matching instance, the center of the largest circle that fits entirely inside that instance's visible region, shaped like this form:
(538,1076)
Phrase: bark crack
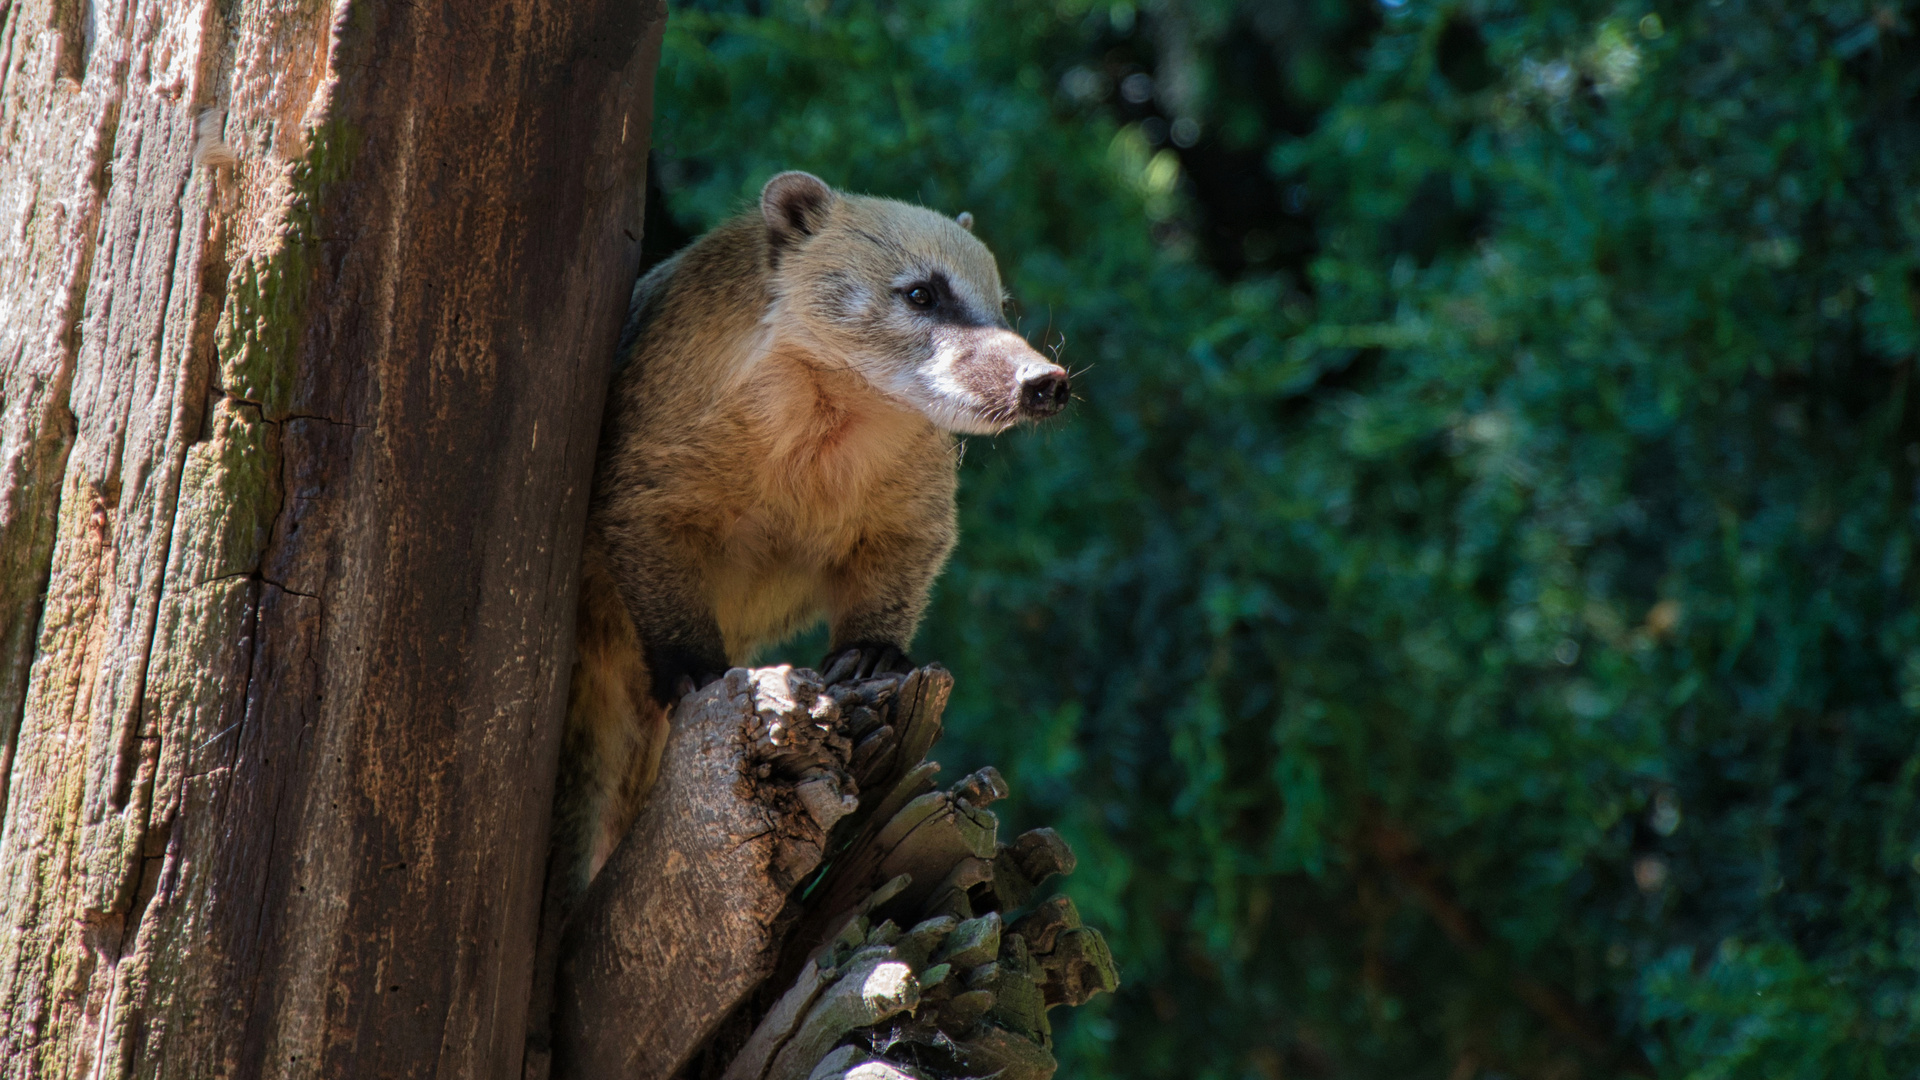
(250,630)
(166,522)
(265,418)
(255,575)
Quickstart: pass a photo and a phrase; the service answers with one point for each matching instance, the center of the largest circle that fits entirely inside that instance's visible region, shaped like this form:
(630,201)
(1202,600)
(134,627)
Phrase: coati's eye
(921,296)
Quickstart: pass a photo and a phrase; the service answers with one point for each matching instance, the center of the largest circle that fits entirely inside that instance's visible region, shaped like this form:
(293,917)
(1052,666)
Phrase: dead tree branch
(710,947)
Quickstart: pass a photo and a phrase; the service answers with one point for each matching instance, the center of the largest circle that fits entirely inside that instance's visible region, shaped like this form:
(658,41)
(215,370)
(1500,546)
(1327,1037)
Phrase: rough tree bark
(305,317)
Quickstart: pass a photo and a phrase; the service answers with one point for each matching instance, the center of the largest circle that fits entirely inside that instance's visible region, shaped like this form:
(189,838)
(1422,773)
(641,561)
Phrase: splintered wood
(717,945)
(682,923)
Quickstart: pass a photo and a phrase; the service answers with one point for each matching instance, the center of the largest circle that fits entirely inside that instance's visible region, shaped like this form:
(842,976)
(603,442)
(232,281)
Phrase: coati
(778,445)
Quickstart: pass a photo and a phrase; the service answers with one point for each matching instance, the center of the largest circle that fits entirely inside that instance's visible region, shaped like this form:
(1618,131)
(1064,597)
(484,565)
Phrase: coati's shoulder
(710,294)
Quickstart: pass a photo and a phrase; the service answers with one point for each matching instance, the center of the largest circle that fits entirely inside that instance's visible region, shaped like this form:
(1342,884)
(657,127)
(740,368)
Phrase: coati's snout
(909,298)
(987,378)
(1043,395)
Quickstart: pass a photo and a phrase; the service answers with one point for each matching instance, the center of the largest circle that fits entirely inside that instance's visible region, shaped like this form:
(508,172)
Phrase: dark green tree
(1469,626)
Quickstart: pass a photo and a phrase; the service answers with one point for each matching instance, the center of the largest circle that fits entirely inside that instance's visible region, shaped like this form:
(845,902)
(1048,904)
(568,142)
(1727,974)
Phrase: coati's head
(908,298)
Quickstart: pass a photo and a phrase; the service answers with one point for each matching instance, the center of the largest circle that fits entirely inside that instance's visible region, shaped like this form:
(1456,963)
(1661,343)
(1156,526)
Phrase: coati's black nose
(1044,395)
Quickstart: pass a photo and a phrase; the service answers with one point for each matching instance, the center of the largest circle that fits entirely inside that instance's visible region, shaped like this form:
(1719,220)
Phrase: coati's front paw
(677,673)
(863,660)
(687,684)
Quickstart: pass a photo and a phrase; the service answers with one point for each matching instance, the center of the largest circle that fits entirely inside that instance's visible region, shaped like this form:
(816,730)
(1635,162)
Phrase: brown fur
(777,446)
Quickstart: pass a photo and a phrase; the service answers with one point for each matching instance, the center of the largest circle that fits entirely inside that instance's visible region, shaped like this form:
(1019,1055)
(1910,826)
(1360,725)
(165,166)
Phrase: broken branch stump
(683,920)
(798,901)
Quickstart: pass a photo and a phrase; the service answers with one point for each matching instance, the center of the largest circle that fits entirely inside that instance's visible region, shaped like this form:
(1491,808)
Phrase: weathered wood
(292,470)
(686,917)
(684,940)
(871,990)
(974,990)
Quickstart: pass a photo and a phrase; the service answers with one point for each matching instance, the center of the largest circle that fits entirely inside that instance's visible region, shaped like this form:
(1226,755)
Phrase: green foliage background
(1468,626)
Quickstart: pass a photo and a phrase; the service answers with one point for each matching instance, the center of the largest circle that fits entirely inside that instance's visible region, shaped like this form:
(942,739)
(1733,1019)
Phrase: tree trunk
(305,318)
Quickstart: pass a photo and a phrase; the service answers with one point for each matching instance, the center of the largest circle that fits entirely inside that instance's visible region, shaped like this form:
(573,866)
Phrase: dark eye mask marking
(947,308)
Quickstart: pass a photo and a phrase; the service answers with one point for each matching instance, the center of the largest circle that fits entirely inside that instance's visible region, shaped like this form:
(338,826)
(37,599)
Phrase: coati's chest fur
(816,468)
(778,447)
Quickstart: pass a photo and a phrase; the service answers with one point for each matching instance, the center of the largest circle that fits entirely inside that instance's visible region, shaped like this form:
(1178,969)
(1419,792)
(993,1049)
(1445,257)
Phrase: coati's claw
(891,661)
(687,684)
(836,667)
(864,661)
(678,672)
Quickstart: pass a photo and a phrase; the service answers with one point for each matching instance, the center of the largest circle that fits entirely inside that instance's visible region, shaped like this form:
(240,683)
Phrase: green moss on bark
(266,314)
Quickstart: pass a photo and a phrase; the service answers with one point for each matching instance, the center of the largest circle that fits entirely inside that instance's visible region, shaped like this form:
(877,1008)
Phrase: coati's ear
(965,219)
(794,204)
